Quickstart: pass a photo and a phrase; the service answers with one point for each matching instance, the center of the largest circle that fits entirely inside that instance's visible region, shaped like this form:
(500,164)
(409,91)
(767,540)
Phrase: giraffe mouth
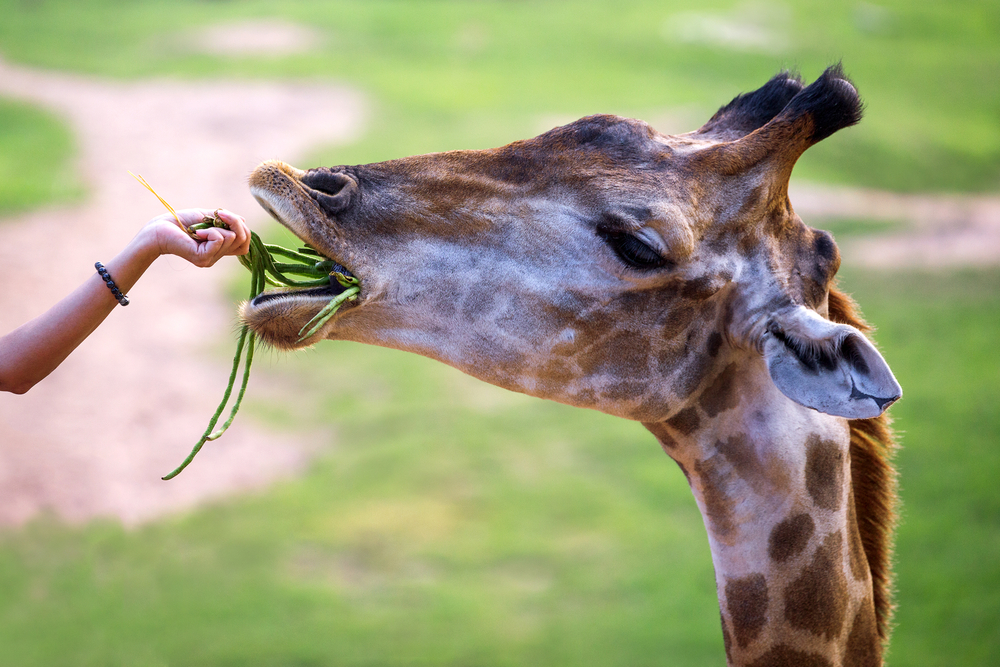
(279,316)
(324,292)
(332,289)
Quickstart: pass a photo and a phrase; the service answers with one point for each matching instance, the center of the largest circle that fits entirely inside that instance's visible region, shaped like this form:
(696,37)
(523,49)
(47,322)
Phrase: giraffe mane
(873,481)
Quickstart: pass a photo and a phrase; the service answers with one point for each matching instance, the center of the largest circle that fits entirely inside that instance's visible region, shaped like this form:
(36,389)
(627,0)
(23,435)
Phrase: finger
(231,244)
(228,241)
(237,224)
(240,244)
(230,217)
(192,216)
(211,234)
(212,248)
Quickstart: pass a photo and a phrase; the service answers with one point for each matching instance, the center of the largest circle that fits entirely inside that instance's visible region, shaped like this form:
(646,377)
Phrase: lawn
(939,334)
(35,165)
(451,523)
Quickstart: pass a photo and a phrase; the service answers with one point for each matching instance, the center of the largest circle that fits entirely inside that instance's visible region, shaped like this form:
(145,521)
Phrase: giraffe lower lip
(325,292)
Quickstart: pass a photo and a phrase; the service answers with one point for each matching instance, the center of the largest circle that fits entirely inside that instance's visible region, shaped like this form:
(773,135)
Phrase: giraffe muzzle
(298,200)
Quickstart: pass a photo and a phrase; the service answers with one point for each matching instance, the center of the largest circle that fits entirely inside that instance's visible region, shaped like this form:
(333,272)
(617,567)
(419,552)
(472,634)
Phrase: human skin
(35,349)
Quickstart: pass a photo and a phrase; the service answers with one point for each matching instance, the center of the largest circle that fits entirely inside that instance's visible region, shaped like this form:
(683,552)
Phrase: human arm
(32,351)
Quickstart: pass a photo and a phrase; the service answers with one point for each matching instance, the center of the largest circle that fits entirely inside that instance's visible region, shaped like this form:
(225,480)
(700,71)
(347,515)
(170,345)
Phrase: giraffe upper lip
(279,190)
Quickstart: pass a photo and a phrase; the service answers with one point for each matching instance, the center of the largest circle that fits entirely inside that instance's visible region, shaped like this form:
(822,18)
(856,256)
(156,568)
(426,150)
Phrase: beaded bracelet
(106,277)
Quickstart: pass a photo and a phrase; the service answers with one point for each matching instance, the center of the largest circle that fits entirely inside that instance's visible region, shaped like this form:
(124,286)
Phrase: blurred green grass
(35,159)
(939,334)
(453,523)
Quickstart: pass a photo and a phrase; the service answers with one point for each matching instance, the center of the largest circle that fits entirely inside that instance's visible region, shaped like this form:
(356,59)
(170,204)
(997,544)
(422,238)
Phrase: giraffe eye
(634,252)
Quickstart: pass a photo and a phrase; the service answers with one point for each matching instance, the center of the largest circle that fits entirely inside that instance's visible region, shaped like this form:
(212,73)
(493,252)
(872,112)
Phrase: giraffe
(664,279)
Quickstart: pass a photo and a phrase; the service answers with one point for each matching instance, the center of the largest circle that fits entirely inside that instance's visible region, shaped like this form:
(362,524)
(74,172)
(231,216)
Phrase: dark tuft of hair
(873,482)
(750,111)
(832,100)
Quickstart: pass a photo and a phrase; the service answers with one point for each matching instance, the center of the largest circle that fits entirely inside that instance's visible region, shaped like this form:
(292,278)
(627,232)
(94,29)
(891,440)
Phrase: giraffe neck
(773,482)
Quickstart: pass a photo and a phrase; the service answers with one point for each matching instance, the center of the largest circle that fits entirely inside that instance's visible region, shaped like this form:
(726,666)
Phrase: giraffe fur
(660,278)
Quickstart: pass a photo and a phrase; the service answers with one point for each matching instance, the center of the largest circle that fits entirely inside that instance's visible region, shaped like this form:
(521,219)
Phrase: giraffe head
(601,264)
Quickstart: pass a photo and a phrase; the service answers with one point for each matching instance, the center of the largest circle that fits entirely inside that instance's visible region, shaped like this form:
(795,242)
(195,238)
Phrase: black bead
(106,277)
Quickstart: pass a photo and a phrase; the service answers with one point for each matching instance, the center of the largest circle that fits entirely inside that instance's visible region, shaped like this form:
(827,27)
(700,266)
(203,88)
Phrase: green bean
(321,318)
(297,255)
(263,271)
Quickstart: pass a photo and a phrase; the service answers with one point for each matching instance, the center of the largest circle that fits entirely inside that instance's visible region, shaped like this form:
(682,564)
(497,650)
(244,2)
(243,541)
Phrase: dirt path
(94,438)
(938,231)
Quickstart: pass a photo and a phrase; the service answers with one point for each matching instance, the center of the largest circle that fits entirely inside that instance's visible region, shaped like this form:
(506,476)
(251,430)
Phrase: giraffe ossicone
(660,278)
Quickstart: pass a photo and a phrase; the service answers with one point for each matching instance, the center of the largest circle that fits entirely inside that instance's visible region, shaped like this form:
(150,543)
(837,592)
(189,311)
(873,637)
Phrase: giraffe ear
(829,367)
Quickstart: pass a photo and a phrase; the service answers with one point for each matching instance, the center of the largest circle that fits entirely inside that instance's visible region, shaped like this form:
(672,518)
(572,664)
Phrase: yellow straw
(164,202)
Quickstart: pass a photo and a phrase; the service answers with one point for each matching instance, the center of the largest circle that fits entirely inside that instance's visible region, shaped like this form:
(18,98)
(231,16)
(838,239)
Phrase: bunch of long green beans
(315,271)
(311,270)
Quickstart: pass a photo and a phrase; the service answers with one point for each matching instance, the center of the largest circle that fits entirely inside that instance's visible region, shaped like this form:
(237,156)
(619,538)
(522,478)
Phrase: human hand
(213,243)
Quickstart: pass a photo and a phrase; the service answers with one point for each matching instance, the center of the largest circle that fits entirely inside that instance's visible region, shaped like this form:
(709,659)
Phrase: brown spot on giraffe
(681,316)
(825,468)
(727,640)
(721,394)
(786,656)
(790,537)
(686,474)
(626,361)
(817,600)
(479,301)
(693,374)
(741,453)
(714,344)
(686,421)
(662,434)
(714,477)
(700,288)
(559,371)
(864,648)
(746,602)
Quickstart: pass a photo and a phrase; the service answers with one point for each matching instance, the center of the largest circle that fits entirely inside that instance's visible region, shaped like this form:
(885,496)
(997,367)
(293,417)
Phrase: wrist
(111,285)
(128,265)
(145,246)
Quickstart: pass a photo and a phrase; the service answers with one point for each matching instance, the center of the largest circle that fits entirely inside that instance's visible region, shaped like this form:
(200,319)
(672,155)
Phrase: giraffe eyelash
(633,251)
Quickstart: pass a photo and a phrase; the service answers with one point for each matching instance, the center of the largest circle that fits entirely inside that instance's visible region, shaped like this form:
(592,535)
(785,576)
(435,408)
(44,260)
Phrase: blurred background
(432,519)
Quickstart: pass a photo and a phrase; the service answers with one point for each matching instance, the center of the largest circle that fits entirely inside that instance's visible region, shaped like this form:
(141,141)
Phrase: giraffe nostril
(332,190)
